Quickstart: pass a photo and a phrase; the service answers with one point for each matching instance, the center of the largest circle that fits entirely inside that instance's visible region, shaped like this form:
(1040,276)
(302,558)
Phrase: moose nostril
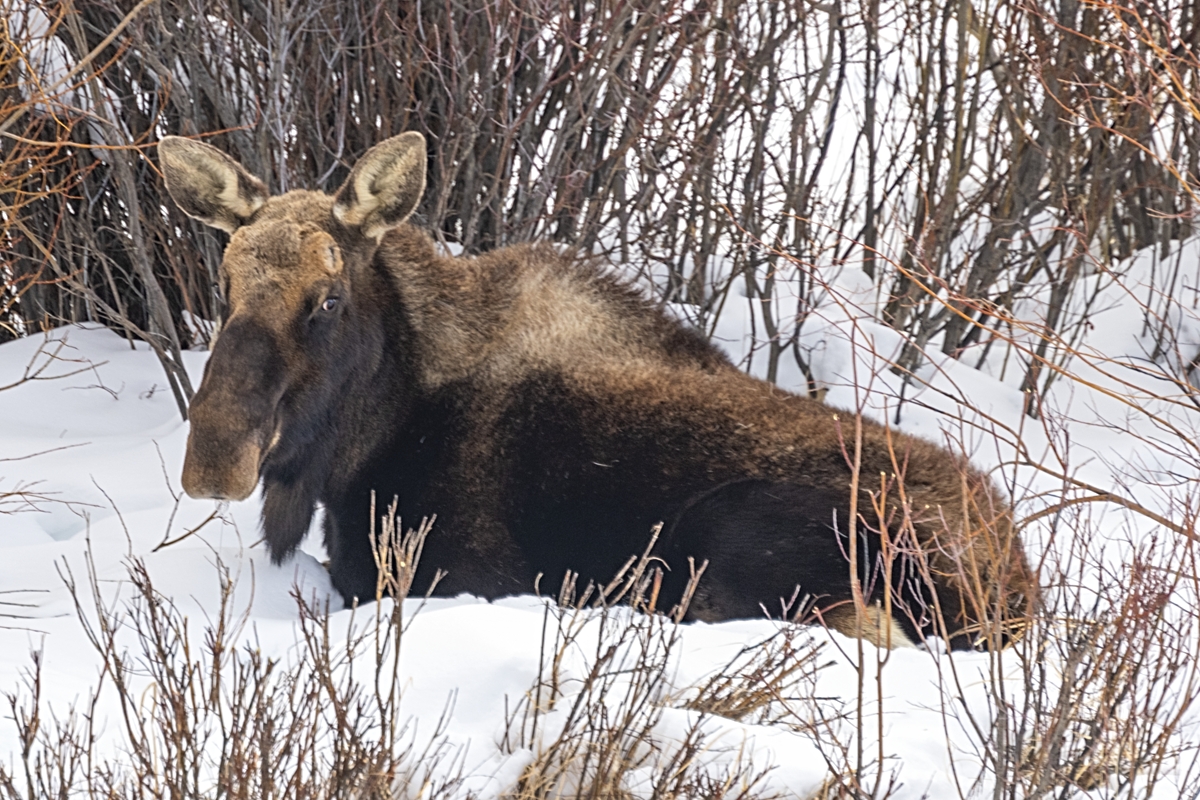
(222,492)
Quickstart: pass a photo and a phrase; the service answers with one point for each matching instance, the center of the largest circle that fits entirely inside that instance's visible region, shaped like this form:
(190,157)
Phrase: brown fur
(540,406)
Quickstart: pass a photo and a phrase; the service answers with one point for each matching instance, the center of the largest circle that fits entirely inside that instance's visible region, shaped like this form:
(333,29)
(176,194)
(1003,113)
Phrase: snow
(96,445)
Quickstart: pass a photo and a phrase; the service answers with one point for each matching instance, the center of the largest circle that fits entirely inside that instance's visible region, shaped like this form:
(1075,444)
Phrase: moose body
(550,417)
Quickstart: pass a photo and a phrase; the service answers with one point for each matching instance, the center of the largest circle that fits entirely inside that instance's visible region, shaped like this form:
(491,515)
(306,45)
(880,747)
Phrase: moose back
(550,416)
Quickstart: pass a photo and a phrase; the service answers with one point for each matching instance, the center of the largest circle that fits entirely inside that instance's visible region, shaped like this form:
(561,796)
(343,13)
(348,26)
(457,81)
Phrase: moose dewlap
(550,417)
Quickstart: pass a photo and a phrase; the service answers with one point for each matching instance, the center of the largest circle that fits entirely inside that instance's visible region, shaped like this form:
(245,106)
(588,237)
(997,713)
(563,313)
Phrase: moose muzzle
(233,415)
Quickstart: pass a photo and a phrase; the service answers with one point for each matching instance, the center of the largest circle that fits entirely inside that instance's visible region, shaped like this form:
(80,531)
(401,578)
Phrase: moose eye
(330,304)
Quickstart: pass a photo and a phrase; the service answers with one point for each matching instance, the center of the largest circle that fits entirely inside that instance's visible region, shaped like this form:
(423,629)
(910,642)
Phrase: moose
(551,416)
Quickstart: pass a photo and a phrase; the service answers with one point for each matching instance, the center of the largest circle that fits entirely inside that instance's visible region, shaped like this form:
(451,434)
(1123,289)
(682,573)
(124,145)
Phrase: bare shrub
(205,713)
(595,726)
(57,128)
(760,675)
(1099,694)
(676,137)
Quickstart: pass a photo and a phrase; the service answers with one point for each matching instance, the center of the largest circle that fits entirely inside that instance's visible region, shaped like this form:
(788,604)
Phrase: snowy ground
(96,445)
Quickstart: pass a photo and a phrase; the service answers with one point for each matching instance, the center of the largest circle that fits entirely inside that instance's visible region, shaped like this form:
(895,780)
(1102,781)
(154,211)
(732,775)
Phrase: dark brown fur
(549,416)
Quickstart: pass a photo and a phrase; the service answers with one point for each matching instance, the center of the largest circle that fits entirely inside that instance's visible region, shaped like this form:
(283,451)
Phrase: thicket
(966,156)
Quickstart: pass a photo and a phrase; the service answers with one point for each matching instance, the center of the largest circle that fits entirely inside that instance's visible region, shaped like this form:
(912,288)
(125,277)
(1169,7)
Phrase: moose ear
(209,185)
(384,187)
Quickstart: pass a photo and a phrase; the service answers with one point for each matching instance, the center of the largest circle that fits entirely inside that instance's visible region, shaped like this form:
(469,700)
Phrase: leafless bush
(761,674)
(1099,694)
(206,714)
(581,124)
(595,726)
(969,159)
(58,128)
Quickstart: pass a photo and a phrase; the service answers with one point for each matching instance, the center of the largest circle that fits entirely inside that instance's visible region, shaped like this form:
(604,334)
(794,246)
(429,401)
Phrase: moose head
(298,324)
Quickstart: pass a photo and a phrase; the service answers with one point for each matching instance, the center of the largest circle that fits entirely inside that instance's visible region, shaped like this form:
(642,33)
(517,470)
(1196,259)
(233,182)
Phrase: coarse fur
(550,416)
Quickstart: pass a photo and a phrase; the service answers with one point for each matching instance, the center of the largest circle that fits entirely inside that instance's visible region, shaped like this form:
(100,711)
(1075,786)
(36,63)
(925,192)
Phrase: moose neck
(380,392)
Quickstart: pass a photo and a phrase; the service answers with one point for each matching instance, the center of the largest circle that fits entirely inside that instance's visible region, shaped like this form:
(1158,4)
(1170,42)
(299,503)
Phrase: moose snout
(234,413)
(225,448)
